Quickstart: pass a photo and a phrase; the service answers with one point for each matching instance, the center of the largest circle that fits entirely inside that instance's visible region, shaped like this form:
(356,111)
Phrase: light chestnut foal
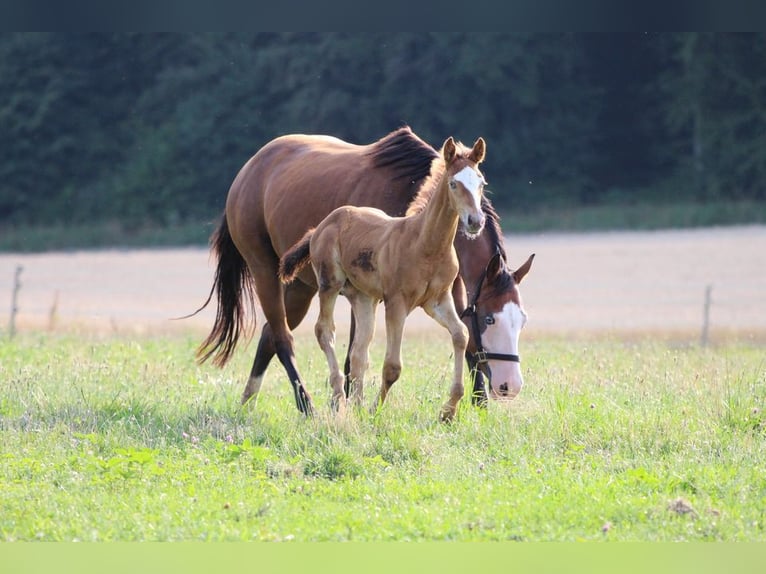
(406,262)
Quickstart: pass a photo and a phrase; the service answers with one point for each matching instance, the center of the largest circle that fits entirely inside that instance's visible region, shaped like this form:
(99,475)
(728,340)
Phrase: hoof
(479,400)
(303,402)
(338,405)
(447,414)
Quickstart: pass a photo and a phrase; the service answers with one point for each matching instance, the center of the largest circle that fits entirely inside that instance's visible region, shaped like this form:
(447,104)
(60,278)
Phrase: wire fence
(676,281)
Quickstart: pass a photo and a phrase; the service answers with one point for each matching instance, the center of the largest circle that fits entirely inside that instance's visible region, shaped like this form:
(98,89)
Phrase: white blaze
(473,181)
(503,337)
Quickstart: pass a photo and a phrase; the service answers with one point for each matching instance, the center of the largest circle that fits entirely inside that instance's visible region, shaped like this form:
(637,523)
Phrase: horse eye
(452,184)
(489,320)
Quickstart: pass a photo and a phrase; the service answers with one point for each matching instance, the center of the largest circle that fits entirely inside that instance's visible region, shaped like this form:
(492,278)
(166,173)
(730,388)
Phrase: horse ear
(495,266)
(519,274)
(448,150)
(478,151)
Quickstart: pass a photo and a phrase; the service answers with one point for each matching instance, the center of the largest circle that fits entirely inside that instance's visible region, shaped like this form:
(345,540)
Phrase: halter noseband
(482,356)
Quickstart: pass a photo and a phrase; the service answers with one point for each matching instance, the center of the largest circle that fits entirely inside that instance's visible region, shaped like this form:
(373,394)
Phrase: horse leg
(347,363)
(396,313)
(263,355)
(460,298)
(325,334)
(297,301)
(364,311)
(271,296)
(443,312)
(479,395)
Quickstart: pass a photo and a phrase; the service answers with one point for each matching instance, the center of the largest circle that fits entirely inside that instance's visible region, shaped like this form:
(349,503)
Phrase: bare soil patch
(590,283)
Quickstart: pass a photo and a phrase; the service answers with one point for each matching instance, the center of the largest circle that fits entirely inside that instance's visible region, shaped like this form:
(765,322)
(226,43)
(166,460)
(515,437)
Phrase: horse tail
(235,290)
(295,258)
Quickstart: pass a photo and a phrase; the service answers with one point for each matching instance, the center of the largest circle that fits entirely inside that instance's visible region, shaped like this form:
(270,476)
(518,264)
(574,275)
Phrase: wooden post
(706,316)
(14,301)
(53,313)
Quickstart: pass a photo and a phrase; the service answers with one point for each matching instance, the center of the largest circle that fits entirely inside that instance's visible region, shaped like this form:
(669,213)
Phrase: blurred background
(120,141)
(134,139)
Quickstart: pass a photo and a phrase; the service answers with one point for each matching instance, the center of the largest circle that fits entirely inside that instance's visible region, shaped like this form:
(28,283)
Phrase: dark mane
(429,185)
(503,283)
(492,226)
(404,153)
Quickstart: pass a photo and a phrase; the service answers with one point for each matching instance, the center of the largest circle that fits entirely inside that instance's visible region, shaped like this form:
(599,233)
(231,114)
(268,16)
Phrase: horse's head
(497,316)
(466,182)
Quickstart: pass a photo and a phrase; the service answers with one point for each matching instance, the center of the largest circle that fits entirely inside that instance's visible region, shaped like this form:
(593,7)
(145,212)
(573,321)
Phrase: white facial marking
(503,337)
(473,181)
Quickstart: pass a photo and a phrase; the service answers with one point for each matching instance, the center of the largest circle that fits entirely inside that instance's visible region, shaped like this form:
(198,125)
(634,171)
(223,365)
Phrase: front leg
(460,298)
(442,310)
(347,362)
(479,396)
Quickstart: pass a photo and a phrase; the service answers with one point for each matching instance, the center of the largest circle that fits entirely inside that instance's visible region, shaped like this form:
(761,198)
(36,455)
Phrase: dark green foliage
(150,129)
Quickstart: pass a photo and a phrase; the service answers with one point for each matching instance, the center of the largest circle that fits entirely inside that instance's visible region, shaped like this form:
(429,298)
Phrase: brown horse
(288,187)
(407,262)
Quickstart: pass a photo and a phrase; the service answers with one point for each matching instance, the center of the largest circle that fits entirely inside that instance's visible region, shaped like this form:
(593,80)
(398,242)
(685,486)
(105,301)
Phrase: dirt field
(622,282)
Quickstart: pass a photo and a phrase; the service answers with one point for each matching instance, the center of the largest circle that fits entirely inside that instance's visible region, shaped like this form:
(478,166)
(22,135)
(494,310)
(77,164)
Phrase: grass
(125,440)
(638,216)
(39,238)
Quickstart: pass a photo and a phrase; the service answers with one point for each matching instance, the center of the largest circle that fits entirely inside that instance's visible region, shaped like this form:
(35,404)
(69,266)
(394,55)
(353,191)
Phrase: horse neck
(437,222)
(473,256)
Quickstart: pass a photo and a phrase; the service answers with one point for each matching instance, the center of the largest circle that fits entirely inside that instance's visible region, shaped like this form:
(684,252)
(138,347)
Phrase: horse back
(295,181)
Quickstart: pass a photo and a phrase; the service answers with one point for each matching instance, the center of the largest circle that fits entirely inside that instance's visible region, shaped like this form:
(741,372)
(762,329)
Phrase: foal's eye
(489,320)
(452,184)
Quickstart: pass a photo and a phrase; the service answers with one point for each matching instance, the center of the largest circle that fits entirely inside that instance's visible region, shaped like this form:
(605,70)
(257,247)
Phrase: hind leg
(297,301)
(325,333)
(271,296)
(363,308)
(396,313)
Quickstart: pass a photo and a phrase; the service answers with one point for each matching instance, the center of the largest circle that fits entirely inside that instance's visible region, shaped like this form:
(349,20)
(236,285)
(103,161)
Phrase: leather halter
(482,356)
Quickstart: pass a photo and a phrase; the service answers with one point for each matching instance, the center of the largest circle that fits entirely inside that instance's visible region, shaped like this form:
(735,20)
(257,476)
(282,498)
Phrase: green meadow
(117,439)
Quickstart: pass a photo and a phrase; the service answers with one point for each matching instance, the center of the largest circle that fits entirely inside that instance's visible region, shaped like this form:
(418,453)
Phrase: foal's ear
(478,151)
(519,274)
(448,150)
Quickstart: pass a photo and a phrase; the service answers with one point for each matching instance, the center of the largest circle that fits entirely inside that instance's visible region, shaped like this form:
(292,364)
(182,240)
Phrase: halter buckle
(480,357)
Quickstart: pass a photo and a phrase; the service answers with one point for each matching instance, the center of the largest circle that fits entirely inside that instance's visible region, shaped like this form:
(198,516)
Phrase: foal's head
(465,182)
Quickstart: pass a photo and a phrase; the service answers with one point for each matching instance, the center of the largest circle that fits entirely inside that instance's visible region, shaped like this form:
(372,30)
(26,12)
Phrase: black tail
(234,288)
(295,258)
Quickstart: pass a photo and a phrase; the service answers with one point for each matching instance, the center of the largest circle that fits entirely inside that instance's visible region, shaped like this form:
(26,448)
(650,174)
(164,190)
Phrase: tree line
(153,127)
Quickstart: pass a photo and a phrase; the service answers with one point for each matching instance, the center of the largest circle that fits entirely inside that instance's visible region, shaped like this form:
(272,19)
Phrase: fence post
(706,316)
(14,301)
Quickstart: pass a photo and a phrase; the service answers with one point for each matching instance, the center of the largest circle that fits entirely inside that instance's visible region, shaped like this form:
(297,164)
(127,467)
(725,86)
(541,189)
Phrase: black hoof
(479,399)
(303,402)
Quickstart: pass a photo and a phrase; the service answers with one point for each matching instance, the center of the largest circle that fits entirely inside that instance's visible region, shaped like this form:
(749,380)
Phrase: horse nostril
(475,223)
(504,388)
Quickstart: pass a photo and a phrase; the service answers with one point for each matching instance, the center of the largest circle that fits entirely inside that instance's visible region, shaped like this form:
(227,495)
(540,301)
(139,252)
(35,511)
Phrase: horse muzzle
(474,224)
(506,390)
